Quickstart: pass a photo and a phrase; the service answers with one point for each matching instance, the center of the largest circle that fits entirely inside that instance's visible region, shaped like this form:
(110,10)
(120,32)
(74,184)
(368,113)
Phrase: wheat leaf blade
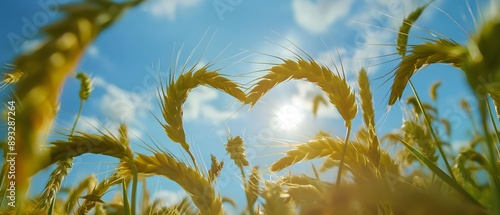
(440,173)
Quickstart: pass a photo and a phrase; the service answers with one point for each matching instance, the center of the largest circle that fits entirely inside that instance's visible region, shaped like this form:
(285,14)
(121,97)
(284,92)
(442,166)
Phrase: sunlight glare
(288,117)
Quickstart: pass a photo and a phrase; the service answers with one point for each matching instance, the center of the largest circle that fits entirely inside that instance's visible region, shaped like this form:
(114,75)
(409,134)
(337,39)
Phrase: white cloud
(198,106)
(121,106)
(170,198)
(366,54)
(93,51)
(88,124)
(304,100)
(317,16)
(117,106)
(372,31)
(168,8)
(92,124)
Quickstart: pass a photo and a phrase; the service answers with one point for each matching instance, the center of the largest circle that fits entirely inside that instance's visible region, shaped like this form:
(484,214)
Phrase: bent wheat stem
(344,149)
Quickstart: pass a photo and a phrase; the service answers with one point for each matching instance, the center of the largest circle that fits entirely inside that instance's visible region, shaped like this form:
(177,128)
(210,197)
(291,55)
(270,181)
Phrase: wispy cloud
(353,58)
(168,8)
(303,100)
(120,105)
(169,198)
(374,29)
(93,124)
(117,106)
(199,106)
(317,16)
(93,51)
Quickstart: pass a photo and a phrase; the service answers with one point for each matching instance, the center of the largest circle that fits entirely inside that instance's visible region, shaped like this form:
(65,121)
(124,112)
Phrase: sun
(288,117)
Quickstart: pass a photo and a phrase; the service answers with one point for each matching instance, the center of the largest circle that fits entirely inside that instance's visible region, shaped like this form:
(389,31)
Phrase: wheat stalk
(193,182)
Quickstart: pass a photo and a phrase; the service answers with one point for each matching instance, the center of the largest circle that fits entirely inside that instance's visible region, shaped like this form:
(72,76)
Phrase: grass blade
(440,173)
(126,204)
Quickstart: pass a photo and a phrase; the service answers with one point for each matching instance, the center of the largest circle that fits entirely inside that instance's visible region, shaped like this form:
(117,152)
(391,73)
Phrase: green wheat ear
(404,30)
(86,86)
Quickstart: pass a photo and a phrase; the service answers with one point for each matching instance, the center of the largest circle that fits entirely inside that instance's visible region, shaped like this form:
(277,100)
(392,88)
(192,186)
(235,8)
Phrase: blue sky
(127,58)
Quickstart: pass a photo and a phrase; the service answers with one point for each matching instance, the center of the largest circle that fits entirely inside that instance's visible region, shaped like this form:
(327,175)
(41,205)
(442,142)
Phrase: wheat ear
(215,168)
(86,184)
(83,143)
(365,94)
(192,181)
(440,51)
(275,203)
(433,90)
(94,197)
(176,94)
(335,87)
(324,145)
(64,166)
(45,70)
(404,30)
(252,190)
(312,149)
(236,150)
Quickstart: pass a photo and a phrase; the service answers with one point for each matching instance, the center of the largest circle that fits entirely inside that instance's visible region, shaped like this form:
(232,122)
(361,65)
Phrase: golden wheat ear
(236,150)
(404,30)
(215,168)
(87,185)
(65,165)
(440,51)
(421,55)
(252,190)
(94,197)
(366,98)
(334,86)
(175,94)
(41,73)
(275,202)
(191,180)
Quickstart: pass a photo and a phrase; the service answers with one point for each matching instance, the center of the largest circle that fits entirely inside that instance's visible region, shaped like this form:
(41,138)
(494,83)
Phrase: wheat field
(408,170)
